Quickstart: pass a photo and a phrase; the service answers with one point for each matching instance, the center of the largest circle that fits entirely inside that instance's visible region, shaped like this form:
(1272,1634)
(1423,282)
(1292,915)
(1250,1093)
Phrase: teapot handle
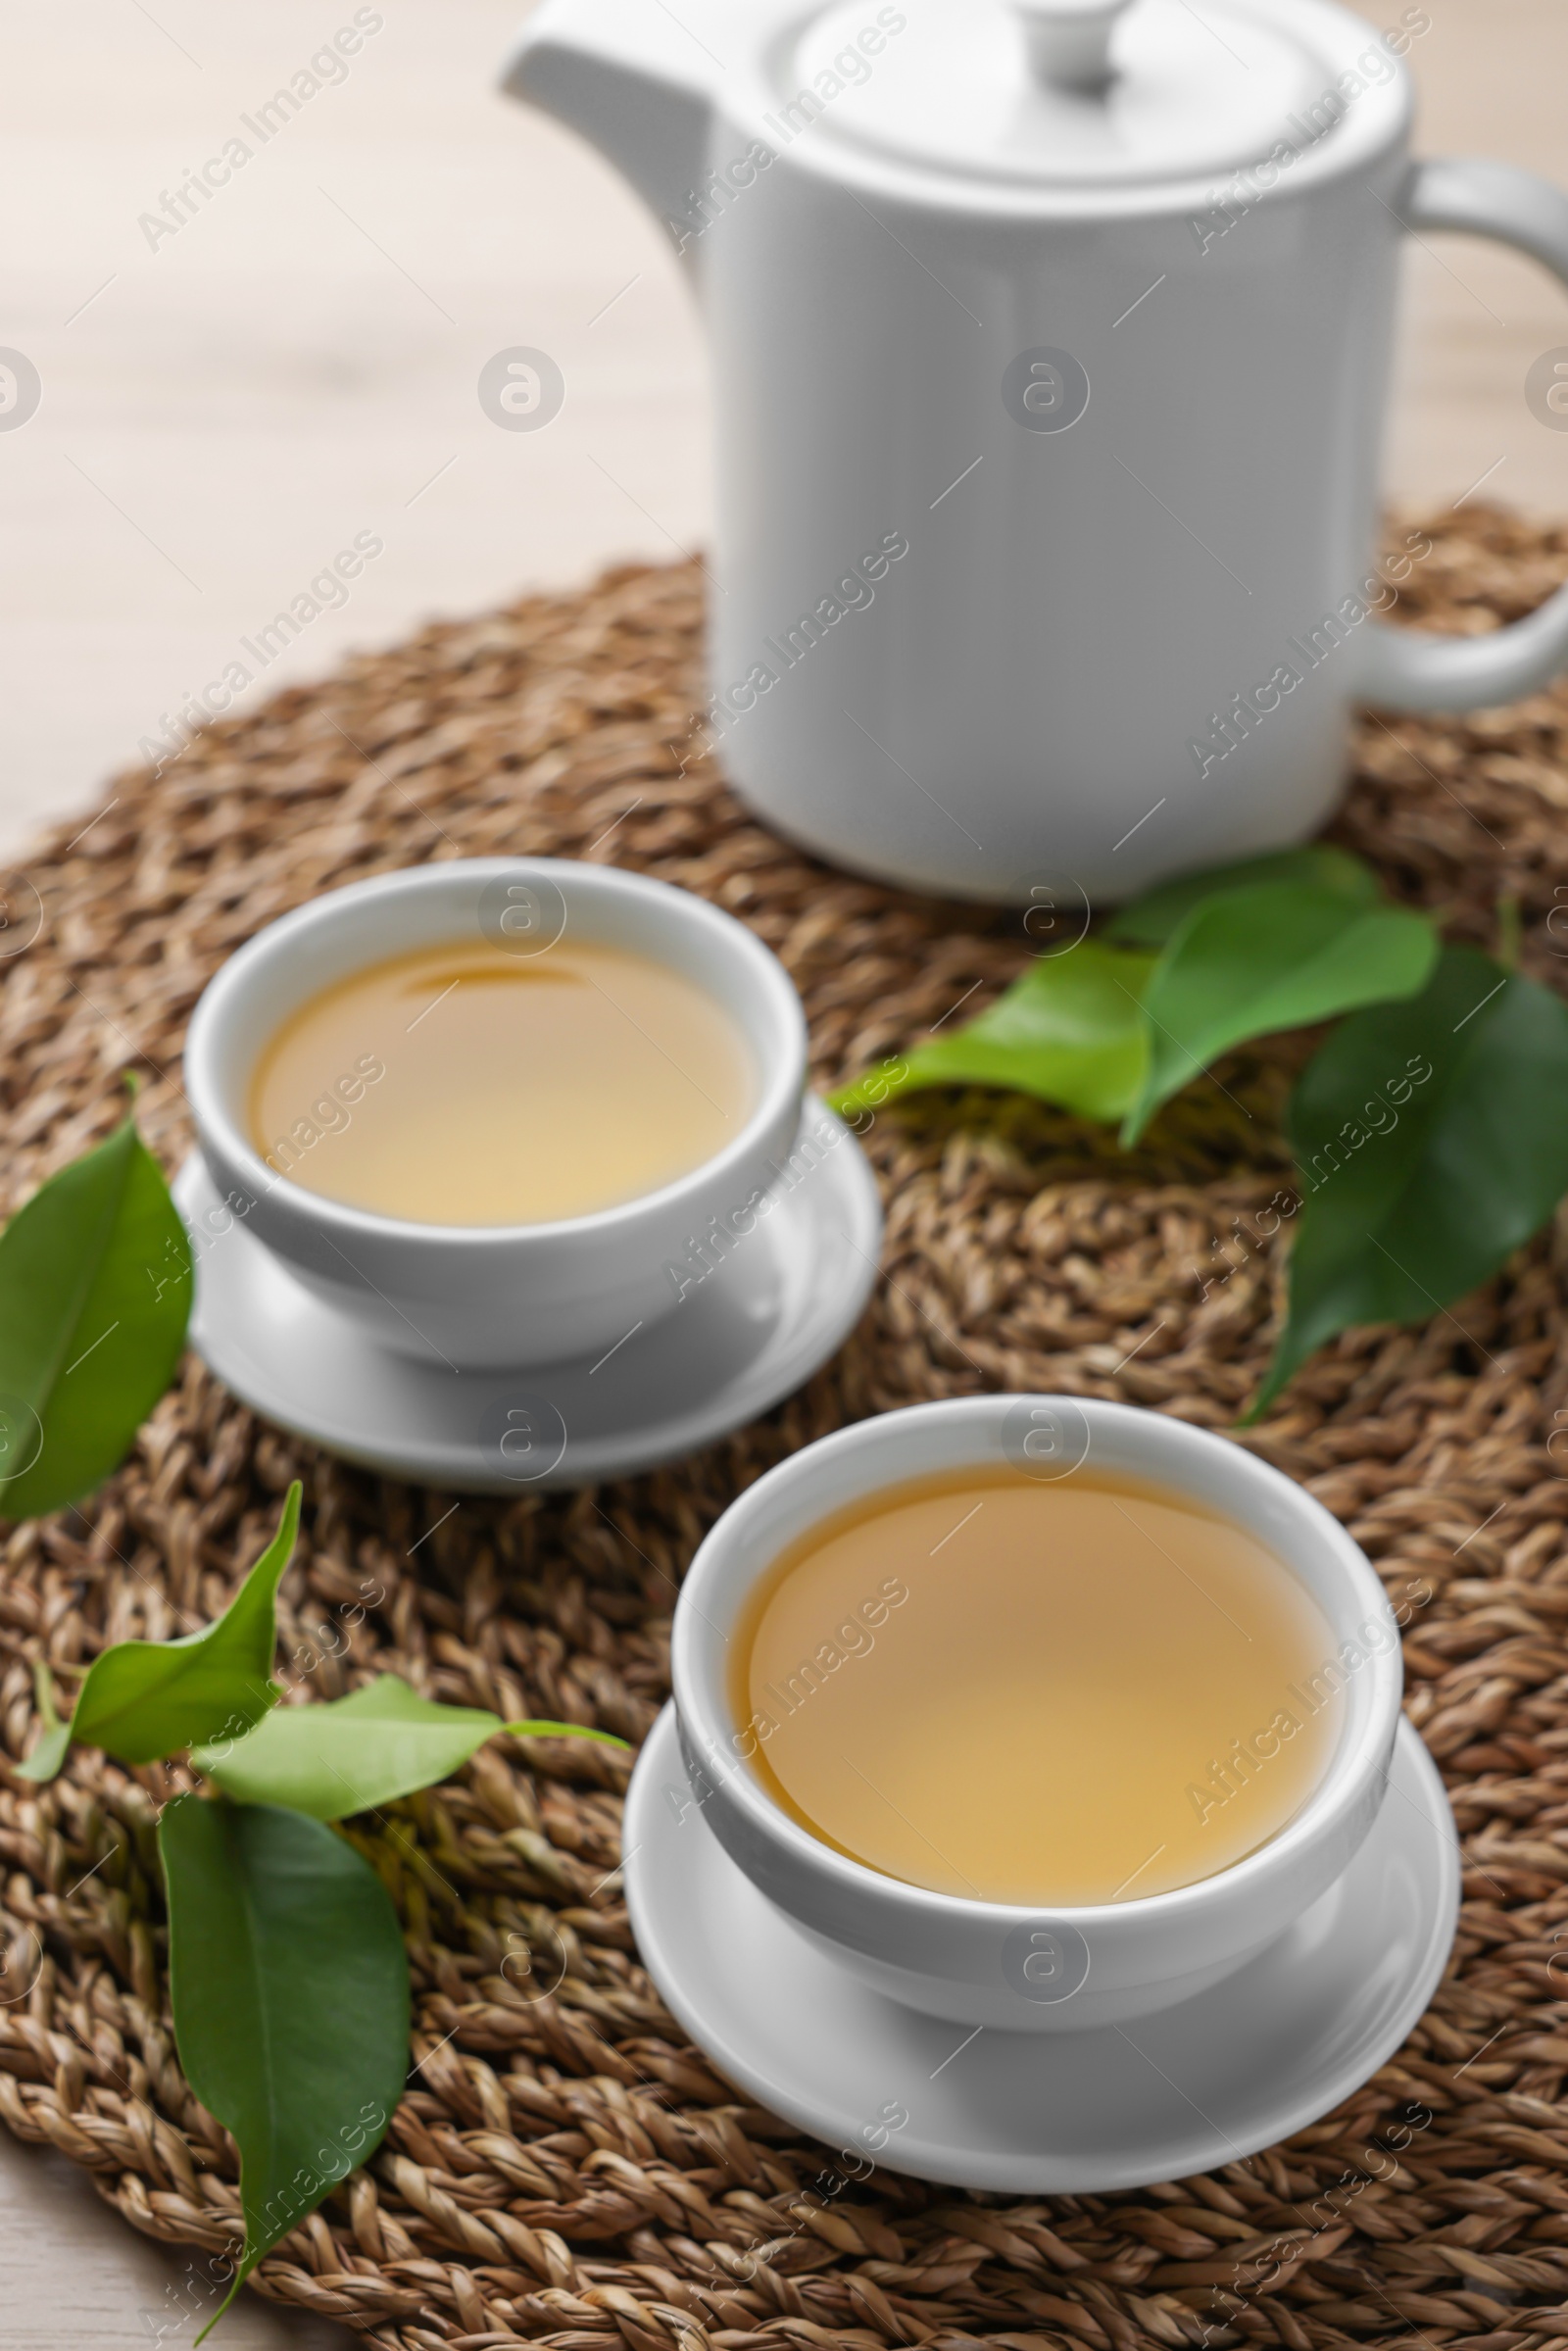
(1416,669)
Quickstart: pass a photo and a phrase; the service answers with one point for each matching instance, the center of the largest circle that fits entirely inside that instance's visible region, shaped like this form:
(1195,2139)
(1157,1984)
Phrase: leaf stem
(48,1754)
(566,1730)
(43,1690)
(1509,931)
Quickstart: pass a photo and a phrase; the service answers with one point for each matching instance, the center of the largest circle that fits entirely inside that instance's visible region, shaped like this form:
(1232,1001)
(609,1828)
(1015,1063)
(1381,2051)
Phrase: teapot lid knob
(1069,40)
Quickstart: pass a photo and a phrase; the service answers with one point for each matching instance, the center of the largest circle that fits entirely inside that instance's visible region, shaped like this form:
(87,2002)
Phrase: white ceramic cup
(998,1964)
(493,1297)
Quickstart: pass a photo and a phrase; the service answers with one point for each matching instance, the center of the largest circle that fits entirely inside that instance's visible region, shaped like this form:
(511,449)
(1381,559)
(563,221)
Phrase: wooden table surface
(224,408)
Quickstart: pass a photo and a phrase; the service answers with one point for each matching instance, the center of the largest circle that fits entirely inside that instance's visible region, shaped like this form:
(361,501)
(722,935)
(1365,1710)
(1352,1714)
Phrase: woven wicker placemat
(564,2168)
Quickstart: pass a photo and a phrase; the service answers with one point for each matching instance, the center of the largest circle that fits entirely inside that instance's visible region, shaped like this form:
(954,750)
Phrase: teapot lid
(1071,91)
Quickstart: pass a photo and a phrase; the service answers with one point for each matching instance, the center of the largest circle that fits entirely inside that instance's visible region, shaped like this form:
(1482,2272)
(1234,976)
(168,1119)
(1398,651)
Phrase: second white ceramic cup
(494,1296)
(995,1964)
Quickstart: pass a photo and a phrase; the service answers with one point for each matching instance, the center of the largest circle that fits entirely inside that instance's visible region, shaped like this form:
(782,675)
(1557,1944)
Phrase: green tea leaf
(1432,1139)
(1154,918)
(361,1751)
(144,1699)
(350,1755)
(291,1988)
(1069,1031)
(1275,956)
(95,1292)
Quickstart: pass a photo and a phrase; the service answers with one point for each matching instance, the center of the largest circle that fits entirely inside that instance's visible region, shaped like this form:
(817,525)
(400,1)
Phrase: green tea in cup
(461,1084)
(1064,1692)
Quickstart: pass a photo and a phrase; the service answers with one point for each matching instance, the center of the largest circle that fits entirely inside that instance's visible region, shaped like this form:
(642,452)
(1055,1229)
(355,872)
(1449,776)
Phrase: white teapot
(1049,345)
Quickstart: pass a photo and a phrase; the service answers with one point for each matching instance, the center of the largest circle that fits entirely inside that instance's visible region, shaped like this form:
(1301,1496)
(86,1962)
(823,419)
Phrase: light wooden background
(222,413)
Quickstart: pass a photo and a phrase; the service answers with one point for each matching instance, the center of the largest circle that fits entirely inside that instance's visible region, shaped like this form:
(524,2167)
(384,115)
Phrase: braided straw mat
(566,2169)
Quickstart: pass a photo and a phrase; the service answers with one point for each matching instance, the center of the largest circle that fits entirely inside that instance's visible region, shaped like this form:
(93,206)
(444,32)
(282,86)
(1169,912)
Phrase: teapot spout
(633,81)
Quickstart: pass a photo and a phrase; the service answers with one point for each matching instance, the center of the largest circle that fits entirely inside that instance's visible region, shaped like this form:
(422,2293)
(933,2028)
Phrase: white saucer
(1238,2068)
(745,1337)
